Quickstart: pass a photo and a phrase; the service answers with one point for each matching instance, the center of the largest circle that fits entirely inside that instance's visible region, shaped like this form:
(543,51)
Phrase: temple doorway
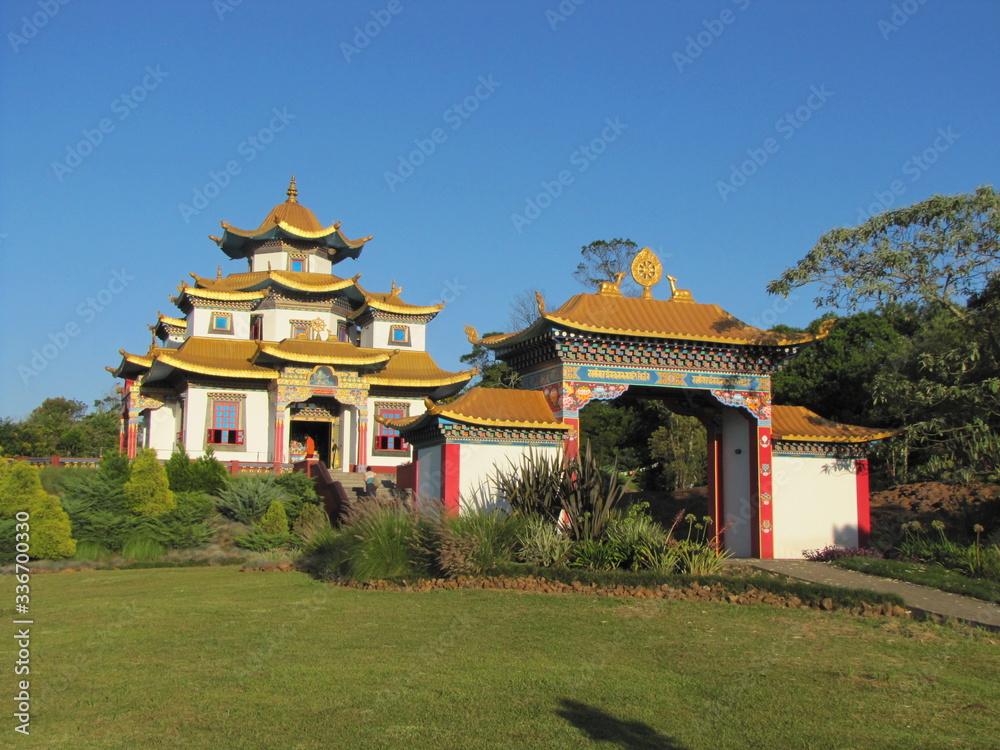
(316,423)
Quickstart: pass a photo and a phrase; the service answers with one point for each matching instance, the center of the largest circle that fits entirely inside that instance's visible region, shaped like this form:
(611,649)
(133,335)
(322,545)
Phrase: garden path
(918,598)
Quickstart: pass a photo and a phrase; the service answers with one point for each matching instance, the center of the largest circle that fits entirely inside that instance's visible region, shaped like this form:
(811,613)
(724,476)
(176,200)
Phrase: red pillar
(864,509)
(131,437)
(362,442)
(450,478)
(764,492)
(279,436)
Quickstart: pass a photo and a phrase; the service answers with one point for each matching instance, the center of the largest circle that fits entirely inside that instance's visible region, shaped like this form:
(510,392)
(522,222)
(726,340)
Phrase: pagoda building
(262,365)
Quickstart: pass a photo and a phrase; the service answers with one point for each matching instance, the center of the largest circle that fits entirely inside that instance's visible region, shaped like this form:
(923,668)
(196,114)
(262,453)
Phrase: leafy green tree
(208,474)
(147,491)
(679,449)
(611,429)
(940,260)
(178,468)
(493,373)
(603,260)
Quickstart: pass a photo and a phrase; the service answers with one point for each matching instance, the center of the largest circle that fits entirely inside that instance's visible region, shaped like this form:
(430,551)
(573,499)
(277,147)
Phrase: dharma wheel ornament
(647,271)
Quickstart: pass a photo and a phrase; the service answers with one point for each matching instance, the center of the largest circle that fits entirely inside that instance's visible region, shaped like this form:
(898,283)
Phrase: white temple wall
(480,463)
(277,323)
(376,335)
(200,323)
(737,468)
(278,258)
(254,421)
(429,473)
(815,504)
(163,424)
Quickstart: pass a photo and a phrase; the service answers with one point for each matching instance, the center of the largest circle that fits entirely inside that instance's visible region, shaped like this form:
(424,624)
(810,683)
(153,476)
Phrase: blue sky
(482,144)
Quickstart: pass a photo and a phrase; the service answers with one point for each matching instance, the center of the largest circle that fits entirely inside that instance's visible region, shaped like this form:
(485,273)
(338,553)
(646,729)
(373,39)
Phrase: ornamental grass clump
(477,541)
(247,497)
(387,541)
(540,542)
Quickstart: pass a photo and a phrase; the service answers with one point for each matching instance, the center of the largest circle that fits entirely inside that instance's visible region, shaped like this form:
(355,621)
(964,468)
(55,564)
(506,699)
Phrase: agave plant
(588,496)
(533,485)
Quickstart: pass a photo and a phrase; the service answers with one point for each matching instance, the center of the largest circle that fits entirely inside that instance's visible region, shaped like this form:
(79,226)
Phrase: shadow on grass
(601,726)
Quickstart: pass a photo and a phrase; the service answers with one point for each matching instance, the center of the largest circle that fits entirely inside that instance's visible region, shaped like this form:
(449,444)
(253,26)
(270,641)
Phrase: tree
(925,259)
(274,520)
(147,491)
(679,448)
(493,373)
(603,260)
(49,532)
(936,252)
(523,309)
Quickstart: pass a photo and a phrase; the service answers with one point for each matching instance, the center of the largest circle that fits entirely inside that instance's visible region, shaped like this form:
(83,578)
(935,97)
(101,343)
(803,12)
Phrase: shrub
(588,497)
(300,493)
(476,542)
(208,475)
(49,526)
(247,497)
(833,552)
(143,548)
(311,520)
(261,541)
(388,541)
(641,542)
(326,555)
(147,491)
(541,543)
(274,521)
(185,526)
(115,467)
(532,486)
(178,468)
(596,554)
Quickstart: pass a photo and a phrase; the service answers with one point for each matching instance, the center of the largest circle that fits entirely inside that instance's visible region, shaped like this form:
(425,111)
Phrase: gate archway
(704,361)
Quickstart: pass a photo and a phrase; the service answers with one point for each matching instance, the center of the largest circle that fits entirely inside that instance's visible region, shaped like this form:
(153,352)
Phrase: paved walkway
(916,597)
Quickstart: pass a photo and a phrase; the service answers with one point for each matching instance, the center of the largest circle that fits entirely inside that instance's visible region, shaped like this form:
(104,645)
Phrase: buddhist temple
(284,355)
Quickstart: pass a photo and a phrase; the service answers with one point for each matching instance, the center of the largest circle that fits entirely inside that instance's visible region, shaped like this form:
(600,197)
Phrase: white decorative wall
(737,469)
(815,504)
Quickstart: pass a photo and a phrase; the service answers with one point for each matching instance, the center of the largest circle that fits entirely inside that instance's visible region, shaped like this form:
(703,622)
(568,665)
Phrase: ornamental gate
(697,358)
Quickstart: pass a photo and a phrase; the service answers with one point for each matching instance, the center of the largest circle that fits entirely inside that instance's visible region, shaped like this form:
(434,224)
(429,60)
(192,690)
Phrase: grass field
(215,658)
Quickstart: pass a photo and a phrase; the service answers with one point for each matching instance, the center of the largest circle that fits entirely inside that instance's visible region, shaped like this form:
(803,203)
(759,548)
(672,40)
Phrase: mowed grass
(215,658)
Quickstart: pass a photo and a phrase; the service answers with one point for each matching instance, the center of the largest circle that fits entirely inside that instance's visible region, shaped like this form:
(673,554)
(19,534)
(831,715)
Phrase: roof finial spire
(292,191)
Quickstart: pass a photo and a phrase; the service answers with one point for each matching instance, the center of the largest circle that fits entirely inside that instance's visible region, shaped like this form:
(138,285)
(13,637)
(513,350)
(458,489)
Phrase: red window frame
(225,421)
(386,438)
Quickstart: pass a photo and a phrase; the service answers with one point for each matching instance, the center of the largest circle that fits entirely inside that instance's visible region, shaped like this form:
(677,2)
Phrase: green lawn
(215,658)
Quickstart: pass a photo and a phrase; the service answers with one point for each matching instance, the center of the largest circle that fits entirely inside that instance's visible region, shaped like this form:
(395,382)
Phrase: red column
(131,437)
(362,442)
(451,474)
(764,492)
(279,436)
(864,509)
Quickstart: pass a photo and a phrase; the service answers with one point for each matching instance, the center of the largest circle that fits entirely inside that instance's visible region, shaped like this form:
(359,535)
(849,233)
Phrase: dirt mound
(934,497)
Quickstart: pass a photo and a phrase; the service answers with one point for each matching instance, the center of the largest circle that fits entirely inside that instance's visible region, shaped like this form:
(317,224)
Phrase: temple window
(297,263)
(387,439)
(342,332)
(399,335)
(300,329)
(225,423)
(256,327)
(222,322)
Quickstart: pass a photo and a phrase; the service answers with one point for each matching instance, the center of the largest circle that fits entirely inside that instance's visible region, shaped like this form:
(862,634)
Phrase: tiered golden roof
(416,370)
(323,352)
(650,318)
(255,280)
(391,302)
(494,407)
(798,423)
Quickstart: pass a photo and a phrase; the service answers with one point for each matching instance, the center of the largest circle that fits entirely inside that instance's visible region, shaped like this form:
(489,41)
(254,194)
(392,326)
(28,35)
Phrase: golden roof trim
(193,291)
(252,371)
(459,377)
(285,278)
(295,231)
(371,356)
